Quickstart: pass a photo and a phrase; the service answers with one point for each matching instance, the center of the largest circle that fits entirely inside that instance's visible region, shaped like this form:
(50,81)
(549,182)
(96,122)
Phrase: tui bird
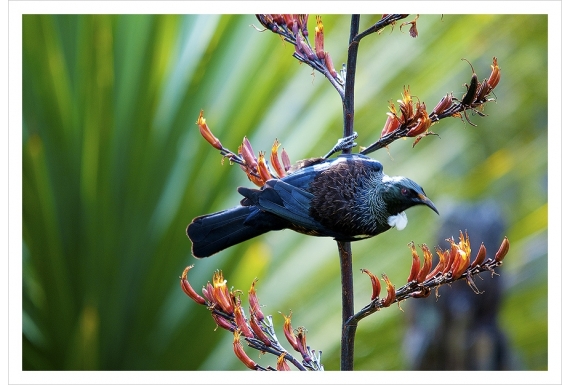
(347,198)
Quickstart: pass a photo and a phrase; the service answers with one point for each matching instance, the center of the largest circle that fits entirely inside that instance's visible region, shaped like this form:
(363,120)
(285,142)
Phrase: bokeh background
(114,169)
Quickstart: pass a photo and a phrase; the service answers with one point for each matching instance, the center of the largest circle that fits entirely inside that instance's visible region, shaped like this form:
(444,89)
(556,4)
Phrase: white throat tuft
(399,220)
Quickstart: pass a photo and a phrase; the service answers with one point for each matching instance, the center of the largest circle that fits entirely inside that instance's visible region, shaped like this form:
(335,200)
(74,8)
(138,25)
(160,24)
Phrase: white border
(13,104)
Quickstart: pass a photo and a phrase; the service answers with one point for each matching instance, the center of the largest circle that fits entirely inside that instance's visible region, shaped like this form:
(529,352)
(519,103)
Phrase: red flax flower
(281,363)
(415,269)
(221,293)
(240,353)
(495,74)
(241,321)
(427,264)
(391,289)
(319,39)
(188,289)
(262,169)
(277,166)
(462,257)
(289,333)
(258,331)
(254,302)
(206,133)
(376,287)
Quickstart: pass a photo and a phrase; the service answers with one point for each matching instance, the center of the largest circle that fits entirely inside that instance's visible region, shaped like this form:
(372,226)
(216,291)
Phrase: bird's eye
(405,191)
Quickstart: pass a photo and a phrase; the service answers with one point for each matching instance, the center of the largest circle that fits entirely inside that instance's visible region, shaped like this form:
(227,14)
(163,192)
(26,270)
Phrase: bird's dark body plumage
(347,198)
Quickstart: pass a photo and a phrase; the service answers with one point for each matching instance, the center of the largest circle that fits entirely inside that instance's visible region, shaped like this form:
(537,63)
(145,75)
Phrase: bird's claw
(342,144)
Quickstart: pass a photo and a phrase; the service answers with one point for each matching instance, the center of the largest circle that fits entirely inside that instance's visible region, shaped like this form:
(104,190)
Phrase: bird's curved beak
(426,201)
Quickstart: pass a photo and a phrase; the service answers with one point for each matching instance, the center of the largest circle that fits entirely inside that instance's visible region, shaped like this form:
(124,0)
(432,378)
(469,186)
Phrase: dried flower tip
(275,160)
(391,292)
(254,302)
(288,331)
(376,287)
(319,39)
(413,28)
(221,293)
(240,353)
(415,269)
(406,105)
(188,289)
(282,363)
(503,250)
(302,343)
(330,66)
(481,254)
(206,133)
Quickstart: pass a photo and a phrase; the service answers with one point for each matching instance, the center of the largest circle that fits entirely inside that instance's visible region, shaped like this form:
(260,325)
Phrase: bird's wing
(284,200)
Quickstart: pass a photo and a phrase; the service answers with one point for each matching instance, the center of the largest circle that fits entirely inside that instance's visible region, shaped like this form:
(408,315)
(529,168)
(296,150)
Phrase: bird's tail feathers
(215,232)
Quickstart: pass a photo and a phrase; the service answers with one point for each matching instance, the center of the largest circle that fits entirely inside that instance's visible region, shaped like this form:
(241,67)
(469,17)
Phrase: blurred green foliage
(114,169)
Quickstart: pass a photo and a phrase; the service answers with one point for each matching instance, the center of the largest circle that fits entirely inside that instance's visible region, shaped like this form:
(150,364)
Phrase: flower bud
(443,104)
(241,322)
(208,292)
(330,66)
(481,254)
(503,250)
(223,322)
(285,160)
(248,155)
(258,331)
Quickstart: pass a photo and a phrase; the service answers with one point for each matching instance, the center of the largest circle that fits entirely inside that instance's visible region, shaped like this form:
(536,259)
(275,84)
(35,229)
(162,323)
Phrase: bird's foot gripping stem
(345,143)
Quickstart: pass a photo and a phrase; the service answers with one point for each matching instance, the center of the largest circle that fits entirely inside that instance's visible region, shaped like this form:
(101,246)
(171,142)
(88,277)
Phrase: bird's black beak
(426,201)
